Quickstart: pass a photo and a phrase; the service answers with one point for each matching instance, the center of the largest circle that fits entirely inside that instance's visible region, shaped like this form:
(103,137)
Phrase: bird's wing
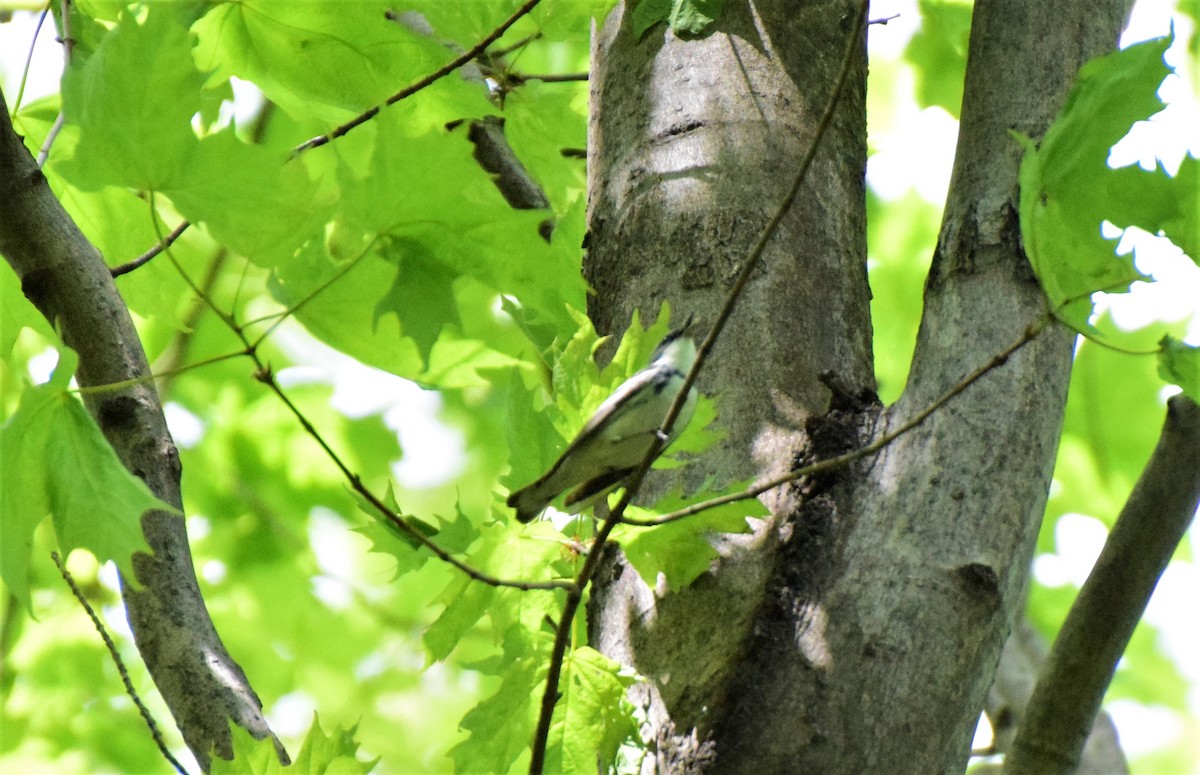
(605,411)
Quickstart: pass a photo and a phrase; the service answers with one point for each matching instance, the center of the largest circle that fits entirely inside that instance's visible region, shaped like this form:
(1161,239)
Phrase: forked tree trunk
(859,630)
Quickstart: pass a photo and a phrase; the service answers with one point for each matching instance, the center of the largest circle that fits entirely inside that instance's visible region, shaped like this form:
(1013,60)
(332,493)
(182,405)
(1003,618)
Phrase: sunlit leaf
(58,463)
(1179,363)
(1066,192)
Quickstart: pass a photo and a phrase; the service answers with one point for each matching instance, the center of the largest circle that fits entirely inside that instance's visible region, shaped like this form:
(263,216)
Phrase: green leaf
(680,550)
(533,442)
(467,601)
(648,13)
(1179,364)
(16,313)
(694,18)
(535,553)
(135,132)
(322,59)
(321,755)
(223,173)
(1066,188)
(336,302)
(539,422)
(500,728)
(1160,203)
(388,538)
(421,296)
(335,754)
(592,717)
(250,756)
(57,462)
(424,187)
(420,241)
(938,53)
(24,499)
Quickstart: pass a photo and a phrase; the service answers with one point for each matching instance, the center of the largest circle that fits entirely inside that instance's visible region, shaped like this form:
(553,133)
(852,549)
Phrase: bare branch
(169,240)
(66,279)
(1101,621)
(497,157)
(508,173)
(1021,662)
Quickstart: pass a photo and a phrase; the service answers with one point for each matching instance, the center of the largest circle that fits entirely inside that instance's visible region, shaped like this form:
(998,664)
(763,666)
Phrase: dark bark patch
(980,580)
(117,413)
(683,128)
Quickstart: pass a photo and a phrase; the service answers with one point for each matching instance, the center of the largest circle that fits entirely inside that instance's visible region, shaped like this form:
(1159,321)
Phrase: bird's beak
(686,325)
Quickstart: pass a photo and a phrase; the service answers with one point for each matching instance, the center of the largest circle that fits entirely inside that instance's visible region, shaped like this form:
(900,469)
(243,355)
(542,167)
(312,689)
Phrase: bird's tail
(531,500)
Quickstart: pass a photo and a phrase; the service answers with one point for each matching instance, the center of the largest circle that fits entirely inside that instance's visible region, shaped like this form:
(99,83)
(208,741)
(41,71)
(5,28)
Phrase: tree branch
(68,44)
(1021,662)
(67,280)
(1101,621)
(506,170)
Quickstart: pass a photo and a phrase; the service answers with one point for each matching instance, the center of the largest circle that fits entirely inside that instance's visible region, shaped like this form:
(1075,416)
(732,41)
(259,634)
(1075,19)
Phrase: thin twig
(29,58)
(575,595)
(120,663)
(68,44)
(316,142)
(125,384)
(549,77)
(265,376)
(843,460)
(175,352)
(225,317)
(51,136)
(417,85)
(169,240)
(522,43)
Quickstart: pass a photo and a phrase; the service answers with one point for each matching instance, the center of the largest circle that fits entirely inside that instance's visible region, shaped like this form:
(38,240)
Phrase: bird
(613,442)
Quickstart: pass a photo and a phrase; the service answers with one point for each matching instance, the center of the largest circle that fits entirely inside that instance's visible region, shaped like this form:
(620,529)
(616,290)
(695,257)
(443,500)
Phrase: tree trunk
(859,629)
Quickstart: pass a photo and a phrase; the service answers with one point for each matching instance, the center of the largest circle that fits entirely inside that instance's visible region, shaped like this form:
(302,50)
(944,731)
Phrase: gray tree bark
(859,629)
(67,280)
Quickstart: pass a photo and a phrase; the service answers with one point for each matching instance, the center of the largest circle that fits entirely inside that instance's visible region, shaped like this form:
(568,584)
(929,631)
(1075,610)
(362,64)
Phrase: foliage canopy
(391,245)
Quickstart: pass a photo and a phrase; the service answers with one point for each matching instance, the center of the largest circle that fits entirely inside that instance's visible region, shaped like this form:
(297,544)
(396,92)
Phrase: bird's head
(677,349)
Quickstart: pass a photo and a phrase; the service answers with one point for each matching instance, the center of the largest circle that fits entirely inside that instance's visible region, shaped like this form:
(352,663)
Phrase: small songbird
(612,444)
